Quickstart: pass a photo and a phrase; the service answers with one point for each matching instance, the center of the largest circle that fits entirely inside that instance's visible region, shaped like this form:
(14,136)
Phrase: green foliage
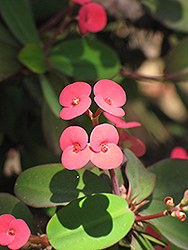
(174,14)
(137,175)
(32,56)
(93,60)
(94,222)
(53,185)
(11,205)
(171,180)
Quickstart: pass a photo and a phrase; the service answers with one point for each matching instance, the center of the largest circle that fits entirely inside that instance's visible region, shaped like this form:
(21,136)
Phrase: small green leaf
(172,13)
(11,205)
(8,62)
(91,223)
(142,181)
(177,60)
(153,239)
(140,243)
(32,56)
(171,180)
(50,95)
(19,19)
(85,59)
(53,185)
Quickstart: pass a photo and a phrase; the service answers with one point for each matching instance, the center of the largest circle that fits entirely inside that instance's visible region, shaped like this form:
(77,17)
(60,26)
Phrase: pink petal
(119,122)
(179,153)
(112,90)
(6,239)
(103,133)
(74,90)
(109,160)
(82,2)
(72,160)
(73,135)
(5,220)
(22,233)
(92,17)
(108,108)
(68,113)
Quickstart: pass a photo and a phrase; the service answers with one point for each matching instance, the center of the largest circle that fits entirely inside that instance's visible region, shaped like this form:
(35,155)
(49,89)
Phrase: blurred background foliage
(144,47)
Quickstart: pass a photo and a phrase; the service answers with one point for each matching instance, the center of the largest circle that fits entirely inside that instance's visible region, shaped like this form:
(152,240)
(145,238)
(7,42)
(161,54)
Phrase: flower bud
(179,215)
(184,201)
(169,203)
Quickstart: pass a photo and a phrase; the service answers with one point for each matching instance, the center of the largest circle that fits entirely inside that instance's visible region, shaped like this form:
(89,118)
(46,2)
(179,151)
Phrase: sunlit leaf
(85,59)
(94,222)
(52,185)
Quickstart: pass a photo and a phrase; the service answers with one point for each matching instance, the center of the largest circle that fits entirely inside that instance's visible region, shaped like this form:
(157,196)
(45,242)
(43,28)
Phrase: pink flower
(179,153)
(92,17)
(105,153)
(73,142)
(14,233)
(75,99)
(110,96)
(82,2)
(132,143)
(120,123)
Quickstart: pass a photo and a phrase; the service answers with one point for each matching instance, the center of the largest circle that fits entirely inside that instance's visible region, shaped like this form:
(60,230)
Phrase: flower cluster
(102,149)
(92,16)
(14,233)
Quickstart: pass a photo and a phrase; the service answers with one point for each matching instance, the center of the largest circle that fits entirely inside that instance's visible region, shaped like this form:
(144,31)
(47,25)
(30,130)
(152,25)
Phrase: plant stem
(153,216)
(114,182)
(43,240)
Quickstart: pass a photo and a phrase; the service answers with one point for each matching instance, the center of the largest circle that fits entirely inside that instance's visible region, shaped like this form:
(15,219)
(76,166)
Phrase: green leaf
(50,95)
(177,60)
(8,62)
(19,19)
(6,36)
(11,205)
(90,223)
(52,185)
(85,59)
(140,243)
(172,13)
(52,127)
(142,181)
(32,56)
(171,180)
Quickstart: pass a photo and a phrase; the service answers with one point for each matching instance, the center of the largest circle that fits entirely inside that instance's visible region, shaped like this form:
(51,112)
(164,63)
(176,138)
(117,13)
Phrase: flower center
(75,101)
(104,147)
(108,100)
(76,148)
(11,232)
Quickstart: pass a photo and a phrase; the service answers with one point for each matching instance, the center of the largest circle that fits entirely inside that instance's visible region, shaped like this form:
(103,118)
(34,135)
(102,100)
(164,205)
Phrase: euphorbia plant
(99,210)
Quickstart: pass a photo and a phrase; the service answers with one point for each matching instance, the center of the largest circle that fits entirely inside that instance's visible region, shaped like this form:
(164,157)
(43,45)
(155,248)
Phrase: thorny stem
(157,78)
(53,21)
(114,182)
(152,216)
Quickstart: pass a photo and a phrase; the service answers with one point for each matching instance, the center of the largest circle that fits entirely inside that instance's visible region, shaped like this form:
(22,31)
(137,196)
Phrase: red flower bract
(105,153)
(92,17)
(119,123)
(179,153)
(82,2)
(110,96)
(14,233)
(75,99)
(132,143)
(73,142)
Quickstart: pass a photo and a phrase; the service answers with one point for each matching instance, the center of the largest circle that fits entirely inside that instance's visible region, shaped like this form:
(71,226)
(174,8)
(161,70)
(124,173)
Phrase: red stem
(114,182)
(152,216)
